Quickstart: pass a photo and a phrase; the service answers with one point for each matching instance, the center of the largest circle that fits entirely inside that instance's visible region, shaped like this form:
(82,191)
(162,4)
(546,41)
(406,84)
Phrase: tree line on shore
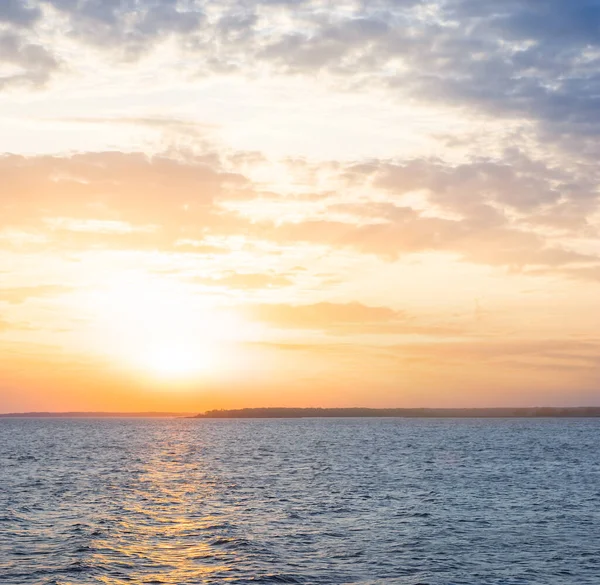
(574,412)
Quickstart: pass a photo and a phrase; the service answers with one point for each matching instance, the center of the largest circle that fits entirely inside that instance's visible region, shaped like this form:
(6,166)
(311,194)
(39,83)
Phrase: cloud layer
(396,200)
(517,59)
(511,213)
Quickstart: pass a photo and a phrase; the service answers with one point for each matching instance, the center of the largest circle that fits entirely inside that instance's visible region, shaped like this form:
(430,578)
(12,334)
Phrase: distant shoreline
(536,412)
(274,413)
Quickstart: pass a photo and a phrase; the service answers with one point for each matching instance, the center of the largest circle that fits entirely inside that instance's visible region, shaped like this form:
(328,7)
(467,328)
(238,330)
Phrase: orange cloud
(334,316)
(131,201)
(240,280)
(18,295)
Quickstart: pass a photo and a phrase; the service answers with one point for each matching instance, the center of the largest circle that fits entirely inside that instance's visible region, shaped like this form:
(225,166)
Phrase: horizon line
(255,411)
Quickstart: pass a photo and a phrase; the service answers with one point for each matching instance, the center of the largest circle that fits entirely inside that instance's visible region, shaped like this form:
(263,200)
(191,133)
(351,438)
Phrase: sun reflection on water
(162,534)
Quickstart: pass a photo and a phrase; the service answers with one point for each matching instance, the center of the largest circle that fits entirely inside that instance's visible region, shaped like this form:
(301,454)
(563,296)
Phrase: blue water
(315,501)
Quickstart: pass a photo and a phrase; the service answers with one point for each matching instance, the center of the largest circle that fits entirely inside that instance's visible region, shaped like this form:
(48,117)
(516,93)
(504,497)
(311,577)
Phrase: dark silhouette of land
(95,415)
(556,412)
(506,412)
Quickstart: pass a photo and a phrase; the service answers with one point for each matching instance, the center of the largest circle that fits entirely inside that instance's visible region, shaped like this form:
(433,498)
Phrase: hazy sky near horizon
(298,203)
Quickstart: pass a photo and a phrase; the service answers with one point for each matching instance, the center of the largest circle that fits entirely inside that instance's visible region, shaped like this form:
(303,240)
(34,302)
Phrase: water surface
(314,501)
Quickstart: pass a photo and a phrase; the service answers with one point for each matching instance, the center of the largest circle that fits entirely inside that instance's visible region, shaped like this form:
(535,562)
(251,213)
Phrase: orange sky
(209,205)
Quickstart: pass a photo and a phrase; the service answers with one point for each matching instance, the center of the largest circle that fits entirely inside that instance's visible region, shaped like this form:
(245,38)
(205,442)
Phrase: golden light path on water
(160,533)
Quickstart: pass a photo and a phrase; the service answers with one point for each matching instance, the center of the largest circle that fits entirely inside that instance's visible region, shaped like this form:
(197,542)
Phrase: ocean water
(314,501)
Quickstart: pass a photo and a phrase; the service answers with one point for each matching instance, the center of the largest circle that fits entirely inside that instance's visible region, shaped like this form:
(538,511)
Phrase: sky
(299,203)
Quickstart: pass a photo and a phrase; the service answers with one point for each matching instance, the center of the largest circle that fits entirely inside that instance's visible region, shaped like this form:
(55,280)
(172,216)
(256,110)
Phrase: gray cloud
(33,63)
(484,189)
(18,12)
(531,60)
(127,27)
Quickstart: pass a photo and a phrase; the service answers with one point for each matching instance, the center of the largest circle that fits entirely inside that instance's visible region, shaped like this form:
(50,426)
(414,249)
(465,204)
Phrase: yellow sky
(296,204)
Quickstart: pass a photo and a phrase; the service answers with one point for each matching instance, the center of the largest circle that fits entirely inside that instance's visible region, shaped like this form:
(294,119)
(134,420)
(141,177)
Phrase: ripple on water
(401,502)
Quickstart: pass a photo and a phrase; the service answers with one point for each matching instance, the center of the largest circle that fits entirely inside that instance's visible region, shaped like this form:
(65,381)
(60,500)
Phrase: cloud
(127,29)
(352,318)
(509,369)
(21,294)
(501,246)
(6,325)
(112,186)
(527,61)
(591,273)
(17,12)
(127,26)
(29,64)
(174,124)
(336,45)
(245,281)
(486,212)
(558,354)
(485,209)
(347,317)
(535,61)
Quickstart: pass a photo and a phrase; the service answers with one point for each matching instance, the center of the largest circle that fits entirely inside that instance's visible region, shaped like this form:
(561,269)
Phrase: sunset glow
(173,361)
(233,204)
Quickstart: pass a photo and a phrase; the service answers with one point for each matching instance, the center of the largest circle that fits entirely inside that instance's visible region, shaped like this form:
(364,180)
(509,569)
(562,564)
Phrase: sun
(163,331)
(176,361)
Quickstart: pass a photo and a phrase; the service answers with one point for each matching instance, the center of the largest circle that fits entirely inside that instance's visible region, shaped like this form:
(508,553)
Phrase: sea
(312,501)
